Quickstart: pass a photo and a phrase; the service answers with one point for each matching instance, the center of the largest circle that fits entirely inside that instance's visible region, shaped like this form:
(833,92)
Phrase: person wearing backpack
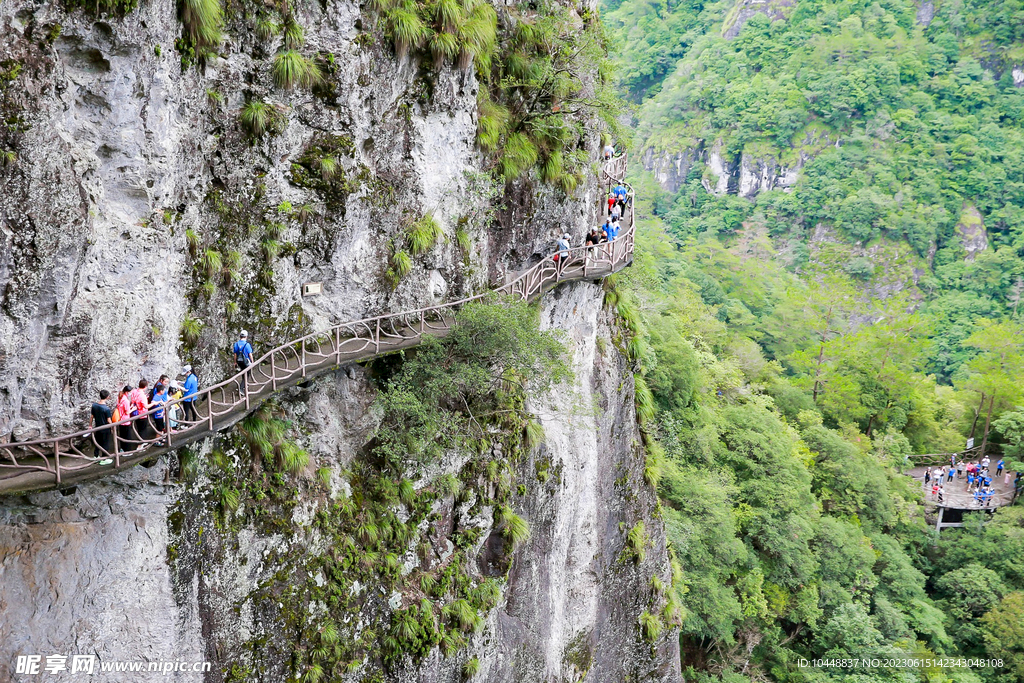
(101,416)
(243,358)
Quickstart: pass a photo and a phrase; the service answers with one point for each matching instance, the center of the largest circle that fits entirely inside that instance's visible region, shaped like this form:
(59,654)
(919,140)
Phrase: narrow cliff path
(67,460)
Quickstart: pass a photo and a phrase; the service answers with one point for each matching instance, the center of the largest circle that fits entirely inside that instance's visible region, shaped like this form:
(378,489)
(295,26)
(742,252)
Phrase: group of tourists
(979,480)
(147,401)
(618,198)
(159,405)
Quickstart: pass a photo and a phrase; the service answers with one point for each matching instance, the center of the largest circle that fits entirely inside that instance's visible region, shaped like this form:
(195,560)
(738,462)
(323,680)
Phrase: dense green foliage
(799,344)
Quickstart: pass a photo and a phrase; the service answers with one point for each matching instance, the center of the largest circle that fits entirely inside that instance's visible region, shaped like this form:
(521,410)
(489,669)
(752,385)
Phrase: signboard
(970,443)
(312,289)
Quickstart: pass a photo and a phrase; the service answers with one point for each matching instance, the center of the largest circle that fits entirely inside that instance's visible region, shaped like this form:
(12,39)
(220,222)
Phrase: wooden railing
(67,459)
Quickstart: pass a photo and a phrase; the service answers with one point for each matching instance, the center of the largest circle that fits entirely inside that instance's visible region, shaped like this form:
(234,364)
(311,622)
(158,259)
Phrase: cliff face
(128,172)
(137,568)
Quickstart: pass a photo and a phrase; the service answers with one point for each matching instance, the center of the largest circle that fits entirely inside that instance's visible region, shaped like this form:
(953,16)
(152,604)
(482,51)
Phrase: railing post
(245,385)
(56,460)
(209,409)
(273,370)
(302,362)
(337,345)
(117,446)
(167,424)
(376,337)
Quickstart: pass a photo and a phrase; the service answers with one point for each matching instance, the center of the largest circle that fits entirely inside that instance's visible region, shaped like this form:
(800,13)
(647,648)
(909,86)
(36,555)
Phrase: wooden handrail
(133,439)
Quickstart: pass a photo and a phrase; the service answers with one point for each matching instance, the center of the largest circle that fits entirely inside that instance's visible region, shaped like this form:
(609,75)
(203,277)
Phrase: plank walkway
(66,460)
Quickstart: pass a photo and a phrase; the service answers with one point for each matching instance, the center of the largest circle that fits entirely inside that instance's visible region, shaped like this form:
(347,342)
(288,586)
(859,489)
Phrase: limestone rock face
(108,570)
(129,169)
(971,229)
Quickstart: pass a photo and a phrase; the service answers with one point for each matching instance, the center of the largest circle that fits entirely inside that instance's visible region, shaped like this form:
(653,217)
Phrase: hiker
(122,415)
(960,470)
(616,212)
(159,399)
(100,416)
(191,390)
(620,196)
(174,411)
(593,238)
(970,479)
(1006,478)
(162,382)
(927,477)
(935,490)
(985,461)
(610,230)
(949,475)
(243,358)
(941,492)
(609,151)
(139,404)
(562,250)
(999,467)
(611,201)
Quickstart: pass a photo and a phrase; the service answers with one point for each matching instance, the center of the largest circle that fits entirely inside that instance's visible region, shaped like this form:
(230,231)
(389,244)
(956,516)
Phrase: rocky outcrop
(925,13)
(971,229)
(671,169)
(747,175)
(763,174)
(741,13)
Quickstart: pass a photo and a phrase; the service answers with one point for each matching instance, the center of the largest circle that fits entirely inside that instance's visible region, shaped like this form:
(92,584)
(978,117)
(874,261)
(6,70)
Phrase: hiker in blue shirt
(620,196)
(158,401)
(949,475)
(970,480)
(977,498)
(999,467)
(243,357)
(191,390)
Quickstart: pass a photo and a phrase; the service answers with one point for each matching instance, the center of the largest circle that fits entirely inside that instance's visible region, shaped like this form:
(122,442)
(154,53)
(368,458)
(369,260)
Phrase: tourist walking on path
(243,358)
(561,251)
(123,419)
(100,416)
(191,389)
(159,399)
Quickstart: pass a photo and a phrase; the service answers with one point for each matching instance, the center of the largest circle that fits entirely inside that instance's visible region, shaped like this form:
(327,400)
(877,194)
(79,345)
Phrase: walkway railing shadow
(71,458)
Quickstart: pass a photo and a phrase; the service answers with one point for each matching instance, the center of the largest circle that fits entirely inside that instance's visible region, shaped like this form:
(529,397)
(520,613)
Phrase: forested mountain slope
(828,281)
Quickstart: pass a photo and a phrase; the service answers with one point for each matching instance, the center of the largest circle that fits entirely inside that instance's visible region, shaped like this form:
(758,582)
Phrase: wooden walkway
(67,460)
